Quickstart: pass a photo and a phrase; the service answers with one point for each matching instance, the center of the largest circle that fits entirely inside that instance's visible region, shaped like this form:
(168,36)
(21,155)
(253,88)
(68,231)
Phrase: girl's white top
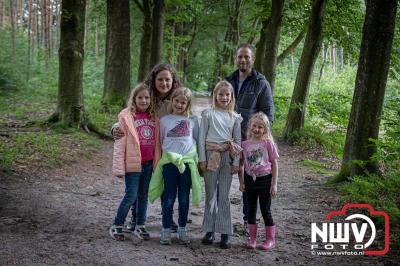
(178,133)
(218,126)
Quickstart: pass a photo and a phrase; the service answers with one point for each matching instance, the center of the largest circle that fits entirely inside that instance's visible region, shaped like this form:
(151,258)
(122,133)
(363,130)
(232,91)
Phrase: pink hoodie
(127,157)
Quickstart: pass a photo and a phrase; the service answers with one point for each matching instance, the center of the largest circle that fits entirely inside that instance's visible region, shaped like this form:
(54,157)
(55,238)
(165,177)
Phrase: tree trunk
(70,107)
(231,40)
(18,13)
(30,22)
(334,58)
(38,25)
(57,42)
(157,32)
(271,46)
(312,46)
(43,20)
(291,47)
(12,21)
(85,37)
(33,29)
(117,56)
(341,64)
(260,47)
(321,70)
(1,14)
(232,34)
(369,92)
(50,26)
(145,42)
(96,47)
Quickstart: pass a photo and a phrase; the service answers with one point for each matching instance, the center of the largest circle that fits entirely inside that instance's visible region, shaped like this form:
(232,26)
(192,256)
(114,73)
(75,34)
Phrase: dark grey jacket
(255,95)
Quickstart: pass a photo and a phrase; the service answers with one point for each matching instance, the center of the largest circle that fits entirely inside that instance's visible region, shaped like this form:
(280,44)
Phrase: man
(252,94)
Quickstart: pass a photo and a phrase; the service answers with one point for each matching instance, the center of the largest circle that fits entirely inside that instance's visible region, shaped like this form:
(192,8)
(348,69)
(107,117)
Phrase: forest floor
(61,217)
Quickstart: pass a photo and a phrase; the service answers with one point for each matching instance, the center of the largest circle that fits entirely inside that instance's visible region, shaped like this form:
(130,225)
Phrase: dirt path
(61,217)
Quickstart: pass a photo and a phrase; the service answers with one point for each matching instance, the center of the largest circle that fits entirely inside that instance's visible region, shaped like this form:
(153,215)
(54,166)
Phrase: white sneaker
(165,236)
(141,232)
(183,235)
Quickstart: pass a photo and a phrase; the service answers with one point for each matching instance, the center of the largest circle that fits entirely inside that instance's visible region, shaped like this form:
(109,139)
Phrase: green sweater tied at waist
(156,186)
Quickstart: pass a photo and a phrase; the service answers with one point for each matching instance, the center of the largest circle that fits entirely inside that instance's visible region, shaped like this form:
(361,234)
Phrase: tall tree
(145,43)
(369,92)
(70,105)
(272,44)
(117,73)
(312,46)
(157,32)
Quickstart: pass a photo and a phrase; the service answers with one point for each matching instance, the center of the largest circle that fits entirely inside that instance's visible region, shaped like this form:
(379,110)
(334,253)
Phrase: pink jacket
(127,157)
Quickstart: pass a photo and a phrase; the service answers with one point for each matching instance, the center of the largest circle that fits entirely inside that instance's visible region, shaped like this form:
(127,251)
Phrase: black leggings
(265,205)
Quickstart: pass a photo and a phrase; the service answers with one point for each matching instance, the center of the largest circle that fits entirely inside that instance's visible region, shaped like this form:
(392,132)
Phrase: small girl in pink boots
(258,177)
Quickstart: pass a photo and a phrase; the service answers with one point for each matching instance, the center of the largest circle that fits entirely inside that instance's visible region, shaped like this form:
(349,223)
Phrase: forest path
(62,217)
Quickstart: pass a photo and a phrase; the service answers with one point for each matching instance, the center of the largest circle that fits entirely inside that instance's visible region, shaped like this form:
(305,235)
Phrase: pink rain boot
(252,242)
(269,238)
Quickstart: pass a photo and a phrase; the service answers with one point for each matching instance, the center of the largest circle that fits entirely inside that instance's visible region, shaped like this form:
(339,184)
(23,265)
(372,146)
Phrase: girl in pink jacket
(134,154)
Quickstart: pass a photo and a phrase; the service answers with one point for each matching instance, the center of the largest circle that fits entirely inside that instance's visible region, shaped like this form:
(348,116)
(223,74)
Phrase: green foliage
(318,167)
(33,147)
(382,193)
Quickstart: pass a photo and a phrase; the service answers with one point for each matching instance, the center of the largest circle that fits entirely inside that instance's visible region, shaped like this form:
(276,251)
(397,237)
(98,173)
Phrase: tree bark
(70,107)
(117,59)
(232,37)
(231,40)
(271,46)
(43,20)
(38,25)
(85,37)
(157,32)
(12,21)
(57,42)
(291,47)
(30,23)
(145,42)
(50,26)
(1,14)
(369,92)
(311,49)
(260,47)
(96,45)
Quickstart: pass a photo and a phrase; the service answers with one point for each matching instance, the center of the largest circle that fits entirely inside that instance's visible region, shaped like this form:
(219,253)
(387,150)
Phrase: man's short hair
(246,45)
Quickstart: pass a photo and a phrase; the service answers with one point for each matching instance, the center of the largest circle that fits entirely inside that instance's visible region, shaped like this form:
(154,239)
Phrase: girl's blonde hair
(265,121)
(132,103)
(224,84)
(187,93)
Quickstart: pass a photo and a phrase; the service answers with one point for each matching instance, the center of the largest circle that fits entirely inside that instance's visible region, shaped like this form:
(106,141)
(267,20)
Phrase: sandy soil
(62,216)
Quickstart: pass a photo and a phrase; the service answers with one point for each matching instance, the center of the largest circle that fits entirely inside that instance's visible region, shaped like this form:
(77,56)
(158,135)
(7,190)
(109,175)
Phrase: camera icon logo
(333,238)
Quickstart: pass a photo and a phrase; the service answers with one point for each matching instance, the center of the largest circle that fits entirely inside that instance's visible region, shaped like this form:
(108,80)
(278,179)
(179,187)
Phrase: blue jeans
(131,191)
(139,208)
(175,183)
